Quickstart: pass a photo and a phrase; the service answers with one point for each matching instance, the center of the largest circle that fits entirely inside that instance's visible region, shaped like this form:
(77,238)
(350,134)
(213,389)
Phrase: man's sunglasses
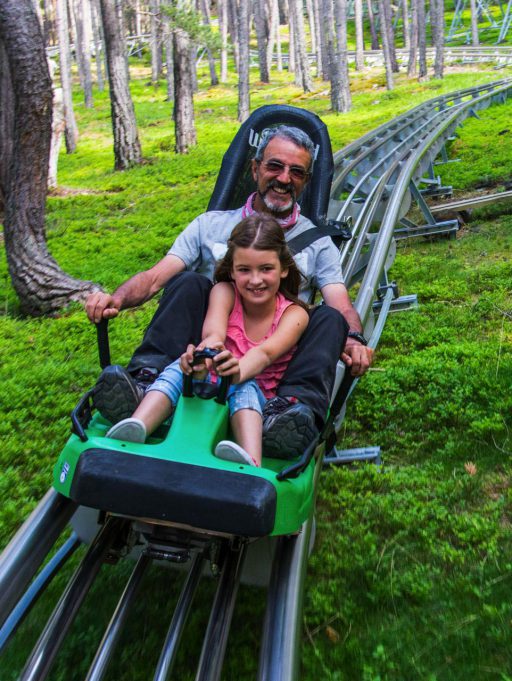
(276,167)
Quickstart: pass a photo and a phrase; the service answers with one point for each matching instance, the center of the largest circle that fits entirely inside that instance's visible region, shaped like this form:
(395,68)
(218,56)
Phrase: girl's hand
(227,365)
(188,366)
(187,359)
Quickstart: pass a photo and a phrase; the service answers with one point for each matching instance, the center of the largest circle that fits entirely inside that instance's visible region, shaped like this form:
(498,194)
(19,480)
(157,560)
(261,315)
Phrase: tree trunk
(279,49)
(320,42)
(340,9)
(183,114)
(98,43)
(81,7)
(233,30)
(71,134)
(40,284)
(326,10)
(413,42)
(261,37)
(474,24)
(373,29)
(58,128)
(405,21)
(6,124)
(211,61)
(312,25)
(437,24)
(154,10)
(385,46)
(300,48)
(272,30)
(243,64)
(291,38)
(223,30)
(127,151)
(169,57)
(50,37)
(386,18)
(358,20)
(422,39)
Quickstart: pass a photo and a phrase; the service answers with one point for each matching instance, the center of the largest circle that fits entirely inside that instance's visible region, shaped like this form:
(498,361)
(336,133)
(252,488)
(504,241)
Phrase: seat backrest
(235,183)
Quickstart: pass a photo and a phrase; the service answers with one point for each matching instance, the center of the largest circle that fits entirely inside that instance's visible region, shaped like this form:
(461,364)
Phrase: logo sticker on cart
(64,472)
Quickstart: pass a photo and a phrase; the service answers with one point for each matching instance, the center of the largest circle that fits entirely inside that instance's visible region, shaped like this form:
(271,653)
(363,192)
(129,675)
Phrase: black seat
(235,183)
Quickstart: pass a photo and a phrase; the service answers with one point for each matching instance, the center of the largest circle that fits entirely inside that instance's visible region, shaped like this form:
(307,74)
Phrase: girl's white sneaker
(230,451)
(129,430)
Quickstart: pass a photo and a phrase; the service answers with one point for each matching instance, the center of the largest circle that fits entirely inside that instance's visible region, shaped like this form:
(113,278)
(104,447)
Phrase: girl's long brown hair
(263,233)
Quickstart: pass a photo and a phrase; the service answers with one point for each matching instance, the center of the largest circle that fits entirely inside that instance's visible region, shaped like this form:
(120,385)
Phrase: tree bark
(422,39)
(358,21)
(82,47)
(326,37)
(321,50)
(405,22)
(71,133)
(312,25)
(302,74)
(223,30)
(40,284)
(243,64)
(340,9)
(98,43)
(291,37)
(233,30)
(261,37)
(385,46)
(413,41)
(183,114)
(386,18)
(205,8)
(127,151)
(474,24)
(169,57)
(50,37)
(373,29)
(156,61)
(437,23)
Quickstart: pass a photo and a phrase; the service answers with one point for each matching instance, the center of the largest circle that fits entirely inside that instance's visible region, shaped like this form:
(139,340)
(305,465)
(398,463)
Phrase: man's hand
(357,356)
(100,306)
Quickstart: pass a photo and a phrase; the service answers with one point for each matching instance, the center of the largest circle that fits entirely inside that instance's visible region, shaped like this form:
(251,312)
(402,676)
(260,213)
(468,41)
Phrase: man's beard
(279,207)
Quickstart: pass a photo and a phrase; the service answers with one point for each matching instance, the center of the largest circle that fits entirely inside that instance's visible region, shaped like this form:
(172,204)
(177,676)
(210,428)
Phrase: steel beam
(29,547)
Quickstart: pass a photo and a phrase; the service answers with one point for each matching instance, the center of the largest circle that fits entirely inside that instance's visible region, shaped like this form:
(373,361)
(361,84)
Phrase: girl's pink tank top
(238,343)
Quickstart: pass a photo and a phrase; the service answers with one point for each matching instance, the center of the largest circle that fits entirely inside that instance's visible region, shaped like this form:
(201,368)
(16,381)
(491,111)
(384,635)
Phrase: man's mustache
(275,183)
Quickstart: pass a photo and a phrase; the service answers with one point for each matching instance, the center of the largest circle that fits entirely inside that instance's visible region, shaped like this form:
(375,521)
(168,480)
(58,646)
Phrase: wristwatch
(358,336)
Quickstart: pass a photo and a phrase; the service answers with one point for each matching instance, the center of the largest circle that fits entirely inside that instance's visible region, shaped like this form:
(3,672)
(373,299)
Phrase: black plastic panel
(206,498)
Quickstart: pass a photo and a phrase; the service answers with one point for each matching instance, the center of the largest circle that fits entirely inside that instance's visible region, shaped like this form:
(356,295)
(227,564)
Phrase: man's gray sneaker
(116,394)
(288,428)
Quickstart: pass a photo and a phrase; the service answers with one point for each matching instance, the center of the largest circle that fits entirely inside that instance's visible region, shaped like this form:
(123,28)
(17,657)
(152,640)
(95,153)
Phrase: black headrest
(235,183)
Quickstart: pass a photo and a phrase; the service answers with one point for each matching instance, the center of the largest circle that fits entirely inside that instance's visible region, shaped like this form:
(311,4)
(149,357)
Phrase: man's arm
(356,355)
(139,288)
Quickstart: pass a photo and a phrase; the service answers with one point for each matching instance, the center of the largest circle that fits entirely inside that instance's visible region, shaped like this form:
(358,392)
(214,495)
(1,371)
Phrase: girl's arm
(220,304)
(290,328)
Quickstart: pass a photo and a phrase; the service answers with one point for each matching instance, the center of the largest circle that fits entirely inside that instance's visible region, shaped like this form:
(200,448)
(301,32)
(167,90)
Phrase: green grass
(410,577)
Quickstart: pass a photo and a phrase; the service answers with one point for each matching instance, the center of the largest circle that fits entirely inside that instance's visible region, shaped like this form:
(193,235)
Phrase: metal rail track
(376,177)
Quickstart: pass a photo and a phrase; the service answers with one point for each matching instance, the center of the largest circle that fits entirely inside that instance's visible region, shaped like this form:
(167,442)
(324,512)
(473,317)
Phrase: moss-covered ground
(411,572)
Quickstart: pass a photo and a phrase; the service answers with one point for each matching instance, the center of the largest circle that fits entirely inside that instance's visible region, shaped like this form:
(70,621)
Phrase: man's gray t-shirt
(204,242)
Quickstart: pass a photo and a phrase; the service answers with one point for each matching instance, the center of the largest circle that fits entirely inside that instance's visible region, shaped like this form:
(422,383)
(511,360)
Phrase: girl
(254,319)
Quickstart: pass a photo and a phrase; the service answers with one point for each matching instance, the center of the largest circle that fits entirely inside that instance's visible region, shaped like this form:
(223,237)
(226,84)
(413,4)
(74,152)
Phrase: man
(281,169)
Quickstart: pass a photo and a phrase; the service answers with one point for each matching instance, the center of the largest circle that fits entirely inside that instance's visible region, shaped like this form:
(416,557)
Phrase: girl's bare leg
(248,431)
(153,410)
